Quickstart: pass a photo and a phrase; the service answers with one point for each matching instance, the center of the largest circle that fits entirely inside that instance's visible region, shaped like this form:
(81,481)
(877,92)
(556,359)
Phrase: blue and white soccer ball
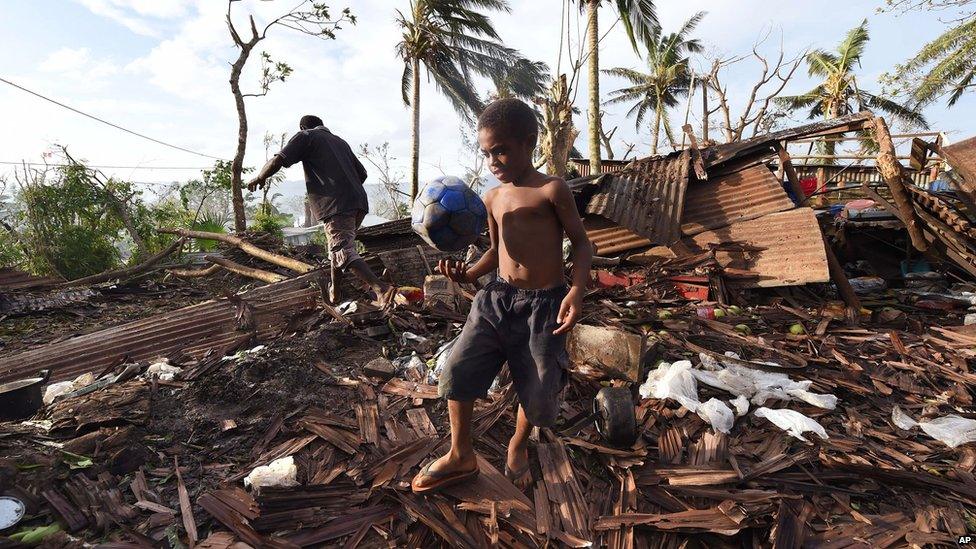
(448,214)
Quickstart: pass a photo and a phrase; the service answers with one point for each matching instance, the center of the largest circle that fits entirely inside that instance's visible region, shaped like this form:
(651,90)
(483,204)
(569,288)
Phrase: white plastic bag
(717,414)
(952,430)
(54,390)
(741,404)
(673,381)
(280,472)
(757,385)
(440,360)
(164,370)
(793,422)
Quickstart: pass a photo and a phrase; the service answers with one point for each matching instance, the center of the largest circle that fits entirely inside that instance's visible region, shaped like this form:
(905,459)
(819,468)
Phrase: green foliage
(838,94)
(944,66)
(211,222)
(667,79)
(69,224)
(267,221)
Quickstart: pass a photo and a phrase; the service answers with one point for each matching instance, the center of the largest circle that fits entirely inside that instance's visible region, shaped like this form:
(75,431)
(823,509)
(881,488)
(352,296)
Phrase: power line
(106,167)
(116,126)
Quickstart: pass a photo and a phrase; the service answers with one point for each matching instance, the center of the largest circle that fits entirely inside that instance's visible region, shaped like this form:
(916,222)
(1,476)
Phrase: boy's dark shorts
(514,325)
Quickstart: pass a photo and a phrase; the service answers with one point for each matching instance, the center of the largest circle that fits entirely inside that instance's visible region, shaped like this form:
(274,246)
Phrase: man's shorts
(510,324)
(340,230)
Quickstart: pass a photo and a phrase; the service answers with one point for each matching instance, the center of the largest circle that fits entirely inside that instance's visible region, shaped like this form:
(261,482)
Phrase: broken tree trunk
(891,171)
(786,163)
(192,273)
(127,272)
(246,247)
(264,276)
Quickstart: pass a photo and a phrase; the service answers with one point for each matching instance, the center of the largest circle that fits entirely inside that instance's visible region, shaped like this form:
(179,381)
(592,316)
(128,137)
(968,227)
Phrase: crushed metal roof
(739,196)
(646,198)
(720,154)
(780,249)
(194,330)
(582,165)
(13,279)
(609,238)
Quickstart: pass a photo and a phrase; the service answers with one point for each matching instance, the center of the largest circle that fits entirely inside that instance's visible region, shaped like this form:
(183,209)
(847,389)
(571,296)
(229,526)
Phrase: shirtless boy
(524,316)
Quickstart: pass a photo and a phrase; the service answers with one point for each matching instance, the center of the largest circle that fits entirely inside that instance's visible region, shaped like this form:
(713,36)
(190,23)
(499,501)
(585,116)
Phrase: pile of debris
(749,407)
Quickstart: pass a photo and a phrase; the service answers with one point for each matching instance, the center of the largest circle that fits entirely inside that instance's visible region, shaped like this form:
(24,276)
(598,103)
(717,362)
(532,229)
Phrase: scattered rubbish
(673,381)
(605,351)
(864,285)
(741,404)
(792,422)
(718,414)
(54,390)
(281,472)
(953,430)
(164,371)
(757,385)
(11,511)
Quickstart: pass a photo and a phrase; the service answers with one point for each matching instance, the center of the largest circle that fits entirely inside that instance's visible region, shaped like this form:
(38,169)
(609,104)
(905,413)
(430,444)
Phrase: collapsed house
(788,420)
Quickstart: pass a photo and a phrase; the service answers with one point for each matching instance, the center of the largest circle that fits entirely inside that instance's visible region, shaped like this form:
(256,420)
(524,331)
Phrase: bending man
(334,182)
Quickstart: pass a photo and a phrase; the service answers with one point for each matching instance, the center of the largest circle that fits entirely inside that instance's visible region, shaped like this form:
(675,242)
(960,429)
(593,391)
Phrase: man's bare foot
(445,471)
(517,467)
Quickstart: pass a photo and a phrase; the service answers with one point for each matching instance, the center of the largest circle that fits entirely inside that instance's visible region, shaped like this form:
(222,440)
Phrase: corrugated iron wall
(647,198)
(193,329)
(739,196)
(790,249)
(582,165)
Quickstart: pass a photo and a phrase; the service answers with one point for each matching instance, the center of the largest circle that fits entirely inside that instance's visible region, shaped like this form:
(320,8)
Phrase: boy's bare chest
(521,205)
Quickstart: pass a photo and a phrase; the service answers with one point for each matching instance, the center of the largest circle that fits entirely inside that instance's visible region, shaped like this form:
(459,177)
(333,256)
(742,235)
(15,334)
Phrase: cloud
(139,16)
(79,66)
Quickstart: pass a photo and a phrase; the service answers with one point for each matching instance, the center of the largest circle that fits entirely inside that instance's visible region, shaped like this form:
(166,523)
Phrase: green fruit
(662,333)
(797,329)
(664,314)
(743,329)
(719,313)
(735,309)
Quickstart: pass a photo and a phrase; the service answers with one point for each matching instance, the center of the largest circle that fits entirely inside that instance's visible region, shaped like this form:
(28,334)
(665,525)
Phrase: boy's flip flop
(442,480)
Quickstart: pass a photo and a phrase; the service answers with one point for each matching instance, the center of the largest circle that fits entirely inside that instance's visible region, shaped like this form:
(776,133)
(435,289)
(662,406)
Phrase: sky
(161,68)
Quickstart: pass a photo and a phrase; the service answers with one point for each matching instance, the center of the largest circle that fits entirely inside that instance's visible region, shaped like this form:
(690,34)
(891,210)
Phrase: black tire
(615,416)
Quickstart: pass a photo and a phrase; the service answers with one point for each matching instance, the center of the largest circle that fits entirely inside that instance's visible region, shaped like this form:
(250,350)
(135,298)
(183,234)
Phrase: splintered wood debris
(140,462)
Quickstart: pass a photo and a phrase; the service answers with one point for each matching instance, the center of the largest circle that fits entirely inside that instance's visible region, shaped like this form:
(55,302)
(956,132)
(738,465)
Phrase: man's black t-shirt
(333,175)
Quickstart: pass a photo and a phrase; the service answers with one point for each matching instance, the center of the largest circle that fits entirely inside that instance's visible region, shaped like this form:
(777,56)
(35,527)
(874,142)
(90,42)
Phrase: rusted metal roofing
(609,238)
(781,249)
(646,198)
(390,228)
(739,196)
(12,279)
(195,330)
(719,154)
(582,165)
(962,157)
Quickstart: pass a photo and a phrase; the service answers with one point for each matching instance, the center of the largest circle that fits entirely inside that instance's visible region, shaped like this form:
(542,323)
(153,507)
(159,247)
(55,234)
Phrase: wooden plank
(894,177)
(787,164)
(186,510)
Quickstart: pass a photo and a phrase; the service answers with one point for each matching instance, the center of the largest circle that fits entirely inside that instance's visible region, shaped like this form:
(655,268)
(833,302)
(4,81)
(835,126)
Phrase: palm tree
(640,22)
(453,41)
(952,61)
(667,79)
(838,94)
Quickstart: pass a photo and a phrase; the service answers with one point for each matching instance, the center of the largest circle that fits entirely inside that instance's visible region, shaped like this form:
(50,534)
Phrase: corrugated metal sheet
(740,196)
(582,165)
(718,154)
(194,329)
(646,198)
(609,238)
(12,279)
(789,249)
(962,157)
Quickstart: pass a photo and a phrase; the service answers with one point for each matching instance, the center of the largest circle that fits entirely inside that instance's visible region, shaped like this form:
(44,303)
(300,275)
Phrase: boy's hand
(570,311)
(456,271)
